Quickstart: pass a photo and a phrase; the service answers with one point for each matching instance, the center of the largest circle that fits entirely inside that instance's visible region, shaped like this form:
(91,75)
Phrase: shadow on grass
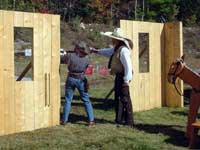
(75,118)
(97,103)
(181,113)
(176,137)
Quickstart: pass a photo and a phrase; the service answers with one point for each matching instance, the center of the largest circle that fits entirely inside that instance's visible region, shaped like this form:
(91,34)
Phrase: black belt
(76,75)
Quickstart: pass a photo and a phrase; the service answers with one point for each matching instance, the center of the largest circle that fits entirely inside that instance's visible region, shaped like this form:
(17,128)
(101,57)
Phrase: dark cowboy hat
(82,47)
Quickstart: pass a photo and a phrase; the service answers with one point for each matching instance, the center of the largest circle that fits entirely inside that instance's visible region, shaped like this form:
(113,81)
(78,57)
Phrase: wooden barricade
(151,89)
(29,105)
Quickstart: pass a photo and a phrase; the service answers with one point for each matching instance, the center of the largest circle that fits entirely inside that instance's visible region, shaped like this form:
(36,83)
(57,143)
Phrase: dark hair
(121,43)
(130,43)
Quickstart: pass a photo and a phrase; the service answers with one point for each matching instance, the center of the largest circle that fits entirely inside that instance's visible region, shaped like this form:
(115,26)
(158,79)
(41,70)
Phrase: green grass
(161,128)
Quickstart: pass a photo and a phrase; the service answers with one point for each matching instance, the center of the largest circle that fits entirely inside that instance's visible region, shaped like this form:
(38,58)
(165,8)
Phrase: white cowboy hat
(117,34)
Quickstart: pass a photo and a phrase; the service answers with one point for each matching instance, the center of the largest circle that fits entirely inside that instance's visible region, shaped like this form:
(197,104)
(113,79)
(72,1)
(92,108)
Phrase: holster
(86,84)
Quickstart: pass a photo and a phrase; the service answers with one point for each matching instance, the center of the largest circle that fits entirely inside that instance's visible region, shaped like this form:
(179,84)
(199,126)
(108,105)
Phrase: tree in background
(103,9)
(23,5)
(160,10)
(189,11)
(70,9)
(6,4)
(111,11)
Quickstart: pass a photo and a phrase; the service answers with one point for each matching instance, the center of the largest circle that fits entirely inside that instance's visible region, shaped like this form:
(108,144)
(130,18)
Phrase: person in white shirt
(120,65)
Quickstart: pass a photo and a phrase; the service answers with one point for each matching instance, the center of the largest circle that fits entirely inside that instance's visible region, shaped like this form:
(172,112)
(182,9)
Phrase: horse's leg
(193,109)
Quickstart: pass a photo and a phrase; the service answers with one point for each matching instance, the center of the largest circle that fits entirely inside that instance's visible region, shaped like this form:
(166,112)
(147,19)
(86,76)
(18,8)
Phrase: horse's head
(175,69)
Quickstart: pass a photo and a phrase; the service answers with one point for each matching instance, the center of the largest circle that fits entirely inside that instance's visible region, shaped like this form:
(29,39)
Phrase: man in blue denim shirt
(77,64)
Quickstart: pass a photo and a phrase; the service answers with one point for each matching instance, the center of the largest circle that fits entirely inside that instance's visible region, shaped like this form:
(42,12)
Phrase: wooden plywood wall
(29,105)
(150,90)
(173,50)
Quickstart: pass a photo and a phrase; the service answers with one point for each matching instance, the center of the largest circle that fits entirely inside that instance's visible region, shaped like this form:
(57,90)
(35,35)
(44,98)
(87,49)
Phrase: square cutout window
(143,52)
(23,53)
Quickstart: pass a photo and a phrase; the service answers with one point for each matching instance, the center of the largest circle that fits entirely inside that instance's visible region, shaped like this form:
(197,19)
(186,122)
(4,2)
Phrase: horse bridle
(175,74)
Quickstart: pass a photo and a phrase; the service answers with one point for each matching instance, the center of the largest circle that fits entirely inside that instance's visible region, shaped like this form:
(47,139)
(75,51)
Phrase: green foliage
(111,11)
(84,10)
(6,4)
(189,11)
(160,8)
(190,21)
(75,24)
(24,5)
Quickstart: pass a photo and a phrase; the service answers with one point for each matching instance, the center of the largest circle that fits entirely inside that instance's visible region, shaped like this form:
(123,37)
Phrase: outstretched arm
(105,51)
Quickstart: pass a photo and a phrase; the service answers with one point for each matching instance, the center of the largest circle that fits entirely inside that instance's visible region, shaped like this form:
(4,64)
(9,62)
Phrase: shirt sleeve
(106,51)
(125,58)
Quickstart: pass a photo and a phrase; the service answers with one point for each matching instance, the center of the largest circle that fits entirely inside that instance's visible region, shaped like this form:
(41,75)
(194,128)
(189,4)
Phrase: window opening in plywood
(143,52)
(23,53)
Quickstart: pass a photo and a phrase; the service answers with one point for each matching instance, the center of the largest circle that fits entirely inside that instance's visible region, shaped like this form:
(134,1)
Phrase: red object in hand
(89,70)
(103,71)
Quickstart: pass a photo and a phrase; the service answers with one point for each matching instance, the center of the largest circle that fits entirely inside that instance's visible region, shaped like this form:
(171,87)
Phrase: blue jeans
(70,86)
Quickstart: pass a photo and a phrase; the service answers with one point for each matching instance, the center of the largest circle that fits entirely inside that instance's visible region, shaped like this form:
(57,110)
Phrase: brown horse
(179,69)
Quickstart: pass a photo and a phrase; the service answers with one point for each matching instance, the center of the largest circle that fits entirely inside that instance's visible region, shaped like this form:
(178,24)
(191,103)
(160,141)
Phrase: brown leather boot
(91,124)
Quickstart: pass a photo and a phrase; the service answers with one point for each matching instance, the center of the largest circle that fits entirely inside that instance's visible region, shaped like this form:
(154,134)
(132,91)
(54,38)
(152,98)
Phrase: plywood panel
(18,19)
(1,76)
(152,62)
(152,66)
(135,62)
(22,104)
(8,75)
(38,57)
(27,97)
(159,66)
(18,93)
(162,58)
(147,93)
(146,87)
(41,85)
(29,103)
(47,64)
(55,78)
(28,20)
(19,104)
(173,50)
(142,92)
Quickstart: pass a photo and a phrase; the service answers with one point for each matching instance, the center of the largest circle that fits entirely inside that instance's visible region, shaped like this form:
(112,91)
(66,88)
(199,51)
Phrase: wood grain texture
(8,72)
(55,77)
(22,103)
(173,50)
(150,90)
(1,75)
